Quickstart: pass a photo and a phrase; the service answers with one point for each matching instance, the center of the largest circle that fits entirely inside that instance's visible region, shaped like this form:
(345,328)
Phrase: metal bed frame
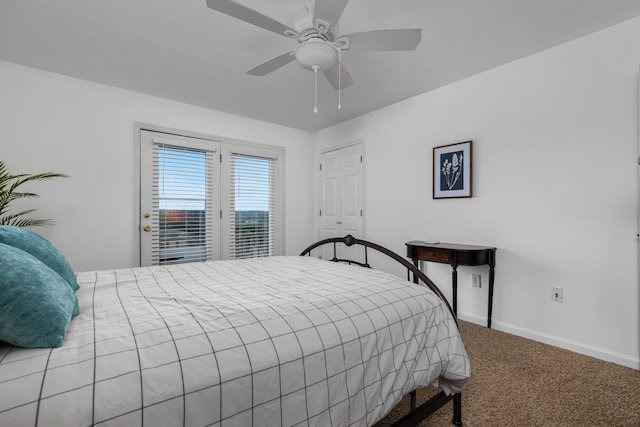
(417,413)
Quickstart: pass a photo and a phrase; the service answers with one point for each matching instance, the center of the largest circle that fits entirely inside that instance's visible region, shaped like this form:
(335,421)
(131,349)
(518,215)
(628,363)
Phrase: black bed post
(457,410)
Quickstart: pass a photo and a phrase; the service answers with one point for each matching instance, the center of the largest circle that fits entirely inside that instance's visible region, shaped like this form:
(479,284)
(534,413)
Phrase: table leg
(415,263)
(491,278)
(454,280)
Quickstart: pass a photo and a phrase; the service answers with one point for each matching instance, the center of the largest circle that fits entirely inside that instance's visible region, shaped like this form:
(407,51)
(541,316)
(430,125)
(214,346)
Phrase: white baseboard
(589,350)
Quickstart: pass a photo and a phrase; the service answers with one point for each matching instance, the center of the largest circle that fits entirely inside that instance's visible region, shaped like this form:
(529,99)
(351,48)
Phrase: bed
(280,341)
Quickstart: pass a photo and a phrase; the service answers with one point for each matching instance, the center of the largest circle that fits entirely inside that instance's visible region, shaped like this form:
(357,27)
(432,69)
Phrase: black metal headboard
(349,240)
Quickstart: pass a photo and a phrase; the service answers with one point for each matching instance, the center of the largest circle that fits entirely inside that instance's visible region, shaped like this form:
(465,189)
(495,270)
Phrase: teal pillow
(40,248)
(36,304)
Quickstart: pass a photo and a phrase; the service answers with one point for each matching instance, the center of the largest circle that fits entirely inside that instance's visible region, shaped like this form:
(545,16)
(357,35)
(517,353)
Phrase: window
(206,200)
(183,196)
(254,214)
(251,206)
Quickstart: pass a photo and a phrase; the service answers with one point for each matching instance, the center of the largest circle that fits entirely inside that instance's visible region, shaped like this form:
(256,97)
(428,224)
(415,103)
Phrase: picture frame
(452,170)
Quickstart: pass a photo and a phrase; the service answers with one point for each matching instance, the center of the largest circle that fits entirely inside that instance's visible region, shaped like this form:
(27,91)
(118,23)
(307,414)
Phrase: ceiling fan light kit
(319,45)
(316,52)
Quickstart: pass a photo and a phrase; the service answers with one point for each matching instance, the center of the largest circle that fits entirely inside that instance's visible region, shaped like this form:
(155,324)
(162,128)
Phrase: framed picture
(452,170)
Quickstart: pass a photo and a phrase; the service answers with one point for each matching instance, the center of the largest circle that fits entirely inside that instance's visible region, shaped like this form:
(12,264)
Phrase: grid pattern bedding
(282,341)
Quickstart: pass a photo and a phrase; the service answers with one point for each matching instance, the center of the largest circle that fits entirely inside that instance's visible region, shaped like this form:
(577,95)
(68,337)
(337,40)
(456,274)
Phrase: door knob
(147,228)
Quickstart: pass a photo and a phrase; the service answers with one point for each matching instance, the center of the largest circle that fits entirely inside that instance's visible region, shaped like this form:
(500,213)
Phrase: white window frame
(257,150)
(227,146)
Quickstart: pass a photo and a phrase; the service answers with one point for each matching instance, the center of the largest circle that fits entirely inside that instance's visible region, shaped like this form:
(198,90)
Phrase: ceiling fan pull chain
(315,91)
(339,77)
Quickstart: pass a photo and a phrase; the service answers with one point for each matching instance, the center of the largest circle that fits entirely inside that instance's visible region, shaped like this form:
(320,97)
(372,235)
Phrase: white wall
(555,188)
(555,180)
(49,122)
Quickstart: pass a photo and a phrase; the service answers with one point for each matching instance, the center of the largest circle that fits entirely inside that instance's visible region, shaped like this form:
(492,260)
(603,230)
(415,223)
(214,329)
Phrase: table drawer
(434,255)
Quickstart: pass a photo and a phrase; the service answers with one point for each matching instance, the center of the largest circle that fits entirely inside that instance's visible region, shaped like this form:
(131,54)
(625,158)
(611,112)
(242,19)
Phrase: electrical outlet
(476,280)
(556,294)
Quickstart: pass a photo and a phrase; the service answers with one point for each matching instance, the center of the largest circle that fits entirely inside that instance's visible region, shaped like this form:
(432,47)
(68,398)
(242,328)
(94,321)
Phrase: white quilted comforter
(282,341)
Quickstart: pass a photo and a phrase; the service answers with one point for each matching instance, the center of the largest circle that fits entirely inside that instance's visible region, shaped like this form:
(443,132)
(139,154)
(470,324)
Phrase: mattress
(281,341)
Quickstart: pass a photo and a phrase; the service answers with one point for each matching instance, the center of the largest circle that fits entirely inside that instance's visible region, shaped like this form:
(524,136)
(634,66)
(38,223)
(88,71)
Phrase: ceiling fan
(319,42)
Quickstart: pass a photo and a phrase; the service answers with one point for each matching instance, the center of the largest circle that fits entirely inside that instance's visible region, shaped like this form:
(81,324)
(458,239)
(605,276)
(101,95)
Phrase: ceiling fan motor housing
(307,29)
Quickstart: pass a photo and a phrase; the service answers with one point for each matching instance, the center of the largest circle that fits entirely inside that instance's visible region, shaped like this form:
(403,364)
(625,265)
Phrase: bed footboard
(417,413)
(349,240)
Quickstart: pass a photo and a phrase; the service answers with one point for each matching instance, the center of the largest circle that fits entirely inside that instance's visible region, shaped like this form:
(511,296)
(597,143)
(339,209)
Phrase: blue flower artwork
(451,171)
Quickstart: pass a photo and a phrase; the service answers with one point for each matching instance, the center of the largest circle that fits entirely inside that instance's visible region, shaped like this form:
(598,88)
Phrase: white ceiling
(182,50)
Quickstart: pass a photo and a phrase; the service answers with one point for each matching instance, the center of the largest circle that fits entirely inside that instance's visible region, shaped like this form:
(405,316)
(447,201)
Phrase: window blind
(252,206)
(182,205)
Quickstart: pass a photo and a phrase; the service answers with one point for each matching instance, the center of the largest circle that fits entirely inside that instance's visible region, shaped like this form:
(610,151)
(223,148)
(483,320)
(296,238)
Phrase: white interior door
(341,196)
(179,199)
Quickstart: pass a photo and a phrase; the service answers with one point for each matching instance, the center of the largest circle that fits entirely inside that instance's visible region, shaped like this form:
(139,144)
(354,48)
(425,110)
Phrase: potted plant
(9,192)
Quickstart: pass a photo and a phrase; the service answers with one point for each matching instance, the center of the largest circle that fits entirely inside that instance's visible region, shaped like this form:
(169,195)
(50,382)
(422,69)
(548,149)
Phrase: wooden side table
(455,255)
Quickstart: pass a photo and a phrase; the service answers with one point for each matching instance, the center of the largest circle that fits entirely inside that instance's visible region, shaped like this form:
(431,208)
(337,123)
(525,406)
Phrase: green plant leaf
(9,192)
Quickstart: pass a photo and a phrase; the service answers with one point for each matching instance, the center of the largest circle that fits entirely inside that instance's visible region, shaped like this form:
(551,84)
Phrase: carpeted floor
(519,382)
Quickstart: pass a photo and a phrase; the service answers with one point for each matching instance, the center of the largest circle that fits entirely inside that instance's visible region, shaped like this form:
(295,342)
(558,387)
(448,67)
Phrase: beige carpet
(519,382)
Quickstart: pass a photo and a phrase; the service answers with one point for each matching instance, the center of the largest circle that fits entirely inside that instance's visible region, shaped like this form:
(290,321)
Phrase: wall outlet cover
(476,280)
(557,294)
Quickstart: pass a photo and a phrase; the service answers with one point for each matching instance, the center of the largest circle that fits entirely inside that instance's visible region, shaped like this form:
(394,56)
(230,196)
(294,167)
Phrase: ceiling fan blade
(344,79)
(328,11)
(245,14)
(384,39)
(272,64)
